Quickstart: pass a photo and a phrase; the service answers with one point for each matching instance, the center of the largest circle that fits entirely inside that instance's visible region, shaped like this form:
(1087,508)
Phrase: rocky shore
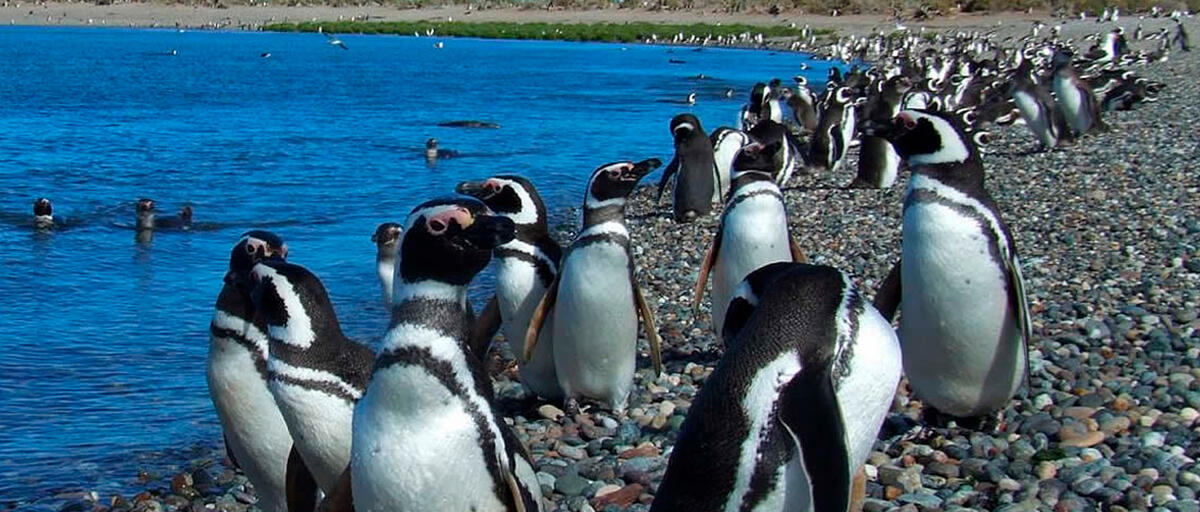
(1109,236)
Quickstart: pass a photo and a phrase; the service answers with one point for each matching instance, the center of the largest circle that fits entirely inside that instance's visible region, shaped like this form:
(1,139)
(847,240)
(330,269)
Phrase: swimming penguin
(426,435)
(795,404)
(432,152)
(256,435)
(753,230)
(182,220)
(595,299)
(317,373)
(787,159)
(386,236)
(1075,97)
(694,170)
(834,132)
(878,163)
(525,268)
(965,323)
(145,214)
(727,143)
(803,104)
(43,214)
(1037,107)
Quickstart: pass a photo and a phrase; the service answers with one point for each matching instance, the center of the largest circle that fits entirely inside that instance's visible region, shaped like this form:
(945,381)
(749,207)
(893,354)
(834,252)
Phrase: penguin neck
(745,178)
(612,211)
(145,220)
(311,324)
(425,315)
(430,290)
(43,221)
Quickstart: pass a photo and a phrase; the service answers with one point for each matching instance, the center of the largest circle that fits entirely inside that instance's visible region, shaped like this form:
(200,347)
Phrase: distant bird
(265,55)
(332,39)
(432,152)
(439,45)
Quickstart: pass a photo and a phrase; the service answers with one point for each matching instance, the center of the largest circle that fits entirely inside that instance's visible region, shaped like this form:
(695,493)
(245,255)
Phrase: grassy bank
(611,32)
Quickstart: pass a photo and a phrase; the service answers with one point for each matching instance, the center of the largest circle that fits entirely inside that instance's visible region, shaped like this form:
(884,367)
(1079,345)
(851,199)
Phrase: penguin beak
(489,232)
(641,169)
(474,189)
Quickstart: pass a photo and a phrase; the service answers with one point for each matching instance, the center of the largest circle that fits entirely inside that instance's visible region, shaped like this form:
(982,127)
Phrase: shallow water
(103,339)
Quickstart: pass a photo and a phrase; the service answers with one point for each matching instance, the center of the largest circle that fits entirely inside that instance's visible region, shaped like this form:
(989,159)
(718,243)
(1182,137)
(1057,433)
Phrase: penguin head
(926,138)
(431,143)
(291,300)
(145,206)
(386,237)
(686,126)
(145,214)
(612,183)
(254,247)
(511,196)
(758,96)
(185,214)
(450,240)
(757,157)
(41,207)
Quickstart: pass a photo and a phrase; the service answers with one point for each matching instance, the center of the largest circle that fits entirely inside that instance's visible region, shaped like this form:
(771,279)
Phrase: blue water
(103,339)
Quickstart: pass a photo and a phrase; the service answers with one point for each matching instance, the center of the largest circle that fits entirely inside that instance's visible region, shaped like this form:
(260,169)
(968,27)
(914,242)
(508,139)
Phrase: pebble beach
(1108,231)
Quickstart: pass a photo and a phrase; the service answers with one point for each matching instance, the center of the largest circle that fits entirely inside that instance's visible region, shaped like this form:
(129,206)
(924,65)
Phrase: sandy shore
(254,17)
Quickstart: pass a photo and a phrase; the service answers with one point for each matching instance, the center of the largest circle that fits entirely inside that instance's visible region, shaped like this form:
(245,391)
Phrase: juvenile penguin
(834,132)
(386,237)
(965,322)
(595,299)
(727,143)
(1075,97)
(878,163)
(43,214)
(753,230)
(317,373)
(426,436)
(256,435)
(1037,107)
(525,268)
(794,406)
(694,170)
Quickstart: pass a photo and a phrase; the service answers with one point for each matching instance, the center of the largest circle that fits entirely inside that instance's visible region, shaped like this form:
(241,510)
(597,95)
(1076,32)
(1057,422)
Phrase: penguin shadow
(674,357)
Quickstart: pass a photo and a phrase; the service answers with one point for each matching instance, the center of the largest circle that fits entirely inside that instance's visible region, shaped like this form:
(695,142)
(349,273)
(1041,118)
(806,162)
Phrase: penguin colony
(811,362)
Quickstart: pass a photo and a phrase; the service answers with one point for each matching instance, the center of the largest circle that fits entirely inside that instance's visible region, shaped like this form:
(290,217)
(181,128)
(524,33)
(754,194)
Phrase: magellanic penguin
(763,105)
(694,170)
(834,132)
(804,106)
(794,406)
(43,214)
(1037,107)
(256,435)
(525,268)
(426,436)
(878,163)
(317,373)
(965,321)
(385,238)
(727,143)
(753,230)
(1075,97)
(595,300)
(787,159)
(145,214)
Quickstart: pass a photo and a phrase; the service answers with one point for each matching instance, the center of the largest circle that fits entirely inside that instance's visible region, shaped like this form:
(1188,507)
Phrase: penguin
(385,238)
(595,299)
(965,324)
(426,435)
(762,106)
(694,168)
(317,373)
(787,159)
(878,163)
(1037,107)
(834,132)
(256,436)
(433,152)
(793,408)
(803,104)
(727,143)
(181,221)
(753,231)
(43,214)
(1075,97)
(525,268)
(145,214)
(1181,37)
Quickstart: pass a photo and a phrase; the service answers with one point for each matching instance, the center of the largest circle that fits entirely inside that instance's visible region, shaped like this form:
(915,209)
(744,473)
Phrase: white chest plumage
(518,291)
(1071,101)
(754,233)
(1035,116)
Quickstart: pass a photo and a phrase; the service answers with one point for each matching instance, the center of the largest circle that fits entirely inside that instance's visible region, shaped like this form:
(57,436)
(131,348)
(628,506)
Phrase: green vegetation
(611,32)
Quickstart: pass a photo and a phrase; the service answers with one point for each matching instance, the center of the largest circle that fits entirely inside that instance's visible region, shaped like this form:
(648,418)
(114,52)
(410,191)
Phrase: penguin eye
(908,122)
(250,249)
(436,226)
(614,173)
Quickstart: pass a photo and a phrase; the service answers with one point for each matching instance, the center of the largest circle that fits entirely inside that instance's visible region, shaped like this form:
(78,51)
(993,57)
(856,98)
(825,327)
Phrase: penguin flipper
(671,169)
(485,327)
(736,316)
(810,412)
(229,453)
(1020,305)
(887,297)
(341,498)
(648,325)
(797,254)
(544,307)
(300,486)
(514,487)
(710,257)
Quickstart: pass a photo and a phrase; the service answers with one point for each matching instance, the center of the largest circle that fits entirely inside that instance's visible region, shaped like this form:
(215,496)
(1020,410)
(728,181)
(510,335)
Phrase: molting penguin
(834,132)
(878,163)
(256,435)
(965,322)
(426,436)
(811,370)
(317,373)
(727,143)
(694,168)
(43,214)
(1075,97)
(595,299)
(753,230)
(525,268)
(1037,107)
(386,237)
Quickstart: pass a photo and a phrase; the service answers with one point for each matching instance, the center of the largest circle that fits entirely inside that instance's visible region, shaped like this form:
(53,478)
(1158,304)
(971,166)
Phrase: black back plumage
(693,167)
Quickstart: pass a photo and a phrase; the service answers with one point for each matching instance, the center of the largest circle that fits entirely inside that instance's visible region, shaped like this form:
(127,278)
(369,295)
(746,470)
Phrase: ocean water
(103,337)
